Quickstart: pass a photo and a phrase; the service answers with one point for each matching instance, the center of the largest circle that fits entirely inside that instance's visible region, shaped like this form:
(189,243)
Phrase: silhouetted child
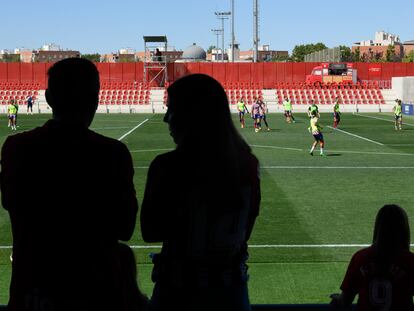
(382,275)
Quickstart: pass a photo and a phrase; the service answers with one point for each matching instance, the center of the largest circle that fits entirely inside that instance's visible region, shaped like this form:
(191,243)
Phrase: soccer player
(12,113)
(312,108)
(337,113)
(263,113)
(257,114)
(241,107)
(287,106)
(29,101)
(17,111)
(398,115)
(316,130)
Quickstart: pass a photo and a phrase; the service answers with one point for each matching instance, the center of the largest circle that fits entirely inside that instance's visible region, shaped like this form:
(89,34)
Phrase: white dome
(194,52)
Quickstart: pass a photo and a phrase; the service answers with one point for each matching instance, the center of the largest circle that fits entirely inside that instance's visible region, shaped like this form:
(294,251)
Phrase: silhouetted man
(70,196)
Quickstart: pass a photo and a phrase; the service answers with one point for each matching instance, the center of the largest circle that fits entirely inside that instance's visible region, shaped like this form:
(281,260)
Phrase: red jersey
(392,291)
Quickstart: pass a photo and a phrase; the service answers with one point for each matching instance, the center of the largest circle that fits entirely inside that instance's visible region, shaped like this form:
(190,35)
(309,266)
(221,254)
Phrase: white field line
(340,151)
(322,167)
(372,152)
(377,118)
(339,167)
(151,150)
(276,147)
(110,128)
(260,246)
(129,132)
(357,136)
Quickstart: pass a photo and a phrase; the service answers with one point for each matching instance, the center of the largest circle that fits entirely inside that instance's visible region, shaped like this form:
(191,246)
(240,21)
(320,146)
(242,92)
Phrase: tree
(10,58)
(210,48)
(390,54)
(356,56)
(299,51)
(346,54)
(409,58)
(281,58)
(96,58)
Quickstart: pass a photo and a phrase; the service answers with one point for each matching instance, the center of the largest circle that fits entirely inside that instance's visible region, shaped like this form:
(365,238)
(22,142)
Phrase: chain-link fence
(327,55)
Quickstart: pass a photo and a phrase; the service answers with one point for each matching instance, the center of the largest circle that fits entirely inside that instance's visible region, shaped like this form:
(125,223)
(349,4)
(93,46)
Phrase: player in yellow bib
(12,113)
(316,129)
(241,107)
(337,113)
(287,106)
(398,115)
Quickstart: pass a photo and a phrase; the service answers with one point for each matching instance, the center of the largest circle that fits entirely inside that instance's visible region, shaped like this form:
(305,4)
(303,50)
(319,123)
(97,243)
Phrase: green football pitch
(315,212)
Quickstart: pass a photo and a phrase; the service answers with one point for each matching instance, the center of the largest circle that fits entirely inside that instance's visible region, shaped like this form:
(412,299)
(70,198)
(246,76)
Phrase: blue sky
(107,26)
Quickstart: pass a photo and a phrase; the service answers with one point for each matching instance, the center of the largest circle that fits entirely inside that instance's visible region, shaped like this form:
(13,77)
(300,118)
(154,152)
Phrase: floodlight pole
(217,32)
(232,31)
(222,16)
(255,30)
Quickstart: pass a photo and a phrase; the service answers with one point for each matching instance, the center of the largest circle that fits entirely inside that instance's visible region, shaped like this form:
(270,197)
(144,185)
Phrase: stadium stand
(18,91)
(325,94)
(129,96)
(248,91)
(124,93)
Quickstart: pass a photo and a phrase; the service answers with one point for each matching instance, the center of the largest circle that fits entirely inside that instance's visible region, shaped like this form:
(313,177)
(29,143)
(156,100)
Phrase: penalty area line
(133,129)
(382,119)
(357,136)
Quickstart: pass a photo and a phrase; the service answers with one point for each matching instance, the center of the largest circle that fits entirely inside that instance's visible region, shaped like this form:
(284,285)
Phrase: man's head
(73,90)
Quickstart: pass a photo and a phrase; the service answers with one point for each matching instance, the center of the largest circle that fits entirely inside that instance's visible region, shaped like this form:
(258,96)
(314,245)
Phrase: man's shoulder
(106,142)
(166,157)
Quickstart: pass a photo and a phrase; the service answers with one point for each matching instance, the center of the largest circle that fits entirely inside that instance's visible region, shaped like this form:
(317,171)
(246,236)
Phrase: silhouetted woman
(201,201)
(383,274)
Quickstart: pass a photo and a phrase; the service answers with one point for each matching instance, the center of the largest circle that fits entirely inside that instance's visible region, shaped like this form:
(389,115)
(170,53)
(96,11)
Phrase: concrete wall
(404,88)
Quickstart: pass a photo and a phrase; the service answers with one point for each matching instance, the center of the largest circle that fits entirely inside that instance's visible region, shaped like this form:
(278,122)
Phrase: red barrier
(26,72)
(128,71)
(3,72)
(231,70)
(217,72)
(206,68)
(13,72)
(104,75)
(115,72)
(39,74)
(264,74)
(269,74)
(257,73)
(244,72)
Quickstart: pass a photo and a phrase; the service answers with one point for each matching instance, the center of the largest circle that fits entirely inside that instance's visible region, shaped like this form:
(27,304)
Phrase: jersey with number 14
(394,291)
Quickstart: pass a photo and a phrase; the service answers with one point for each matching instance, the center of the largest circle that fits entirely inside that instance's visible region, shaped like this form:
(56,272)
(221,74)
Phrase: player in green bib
(313,108)
(337,113)
(398,115)
(316,130)
(287,106)
(12,113)
(241,107)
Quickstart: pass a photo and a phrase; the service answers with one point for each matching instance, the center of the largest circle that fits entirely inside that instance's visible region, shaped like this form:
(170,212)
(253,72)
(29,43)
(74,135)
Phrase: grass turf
(306,201)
